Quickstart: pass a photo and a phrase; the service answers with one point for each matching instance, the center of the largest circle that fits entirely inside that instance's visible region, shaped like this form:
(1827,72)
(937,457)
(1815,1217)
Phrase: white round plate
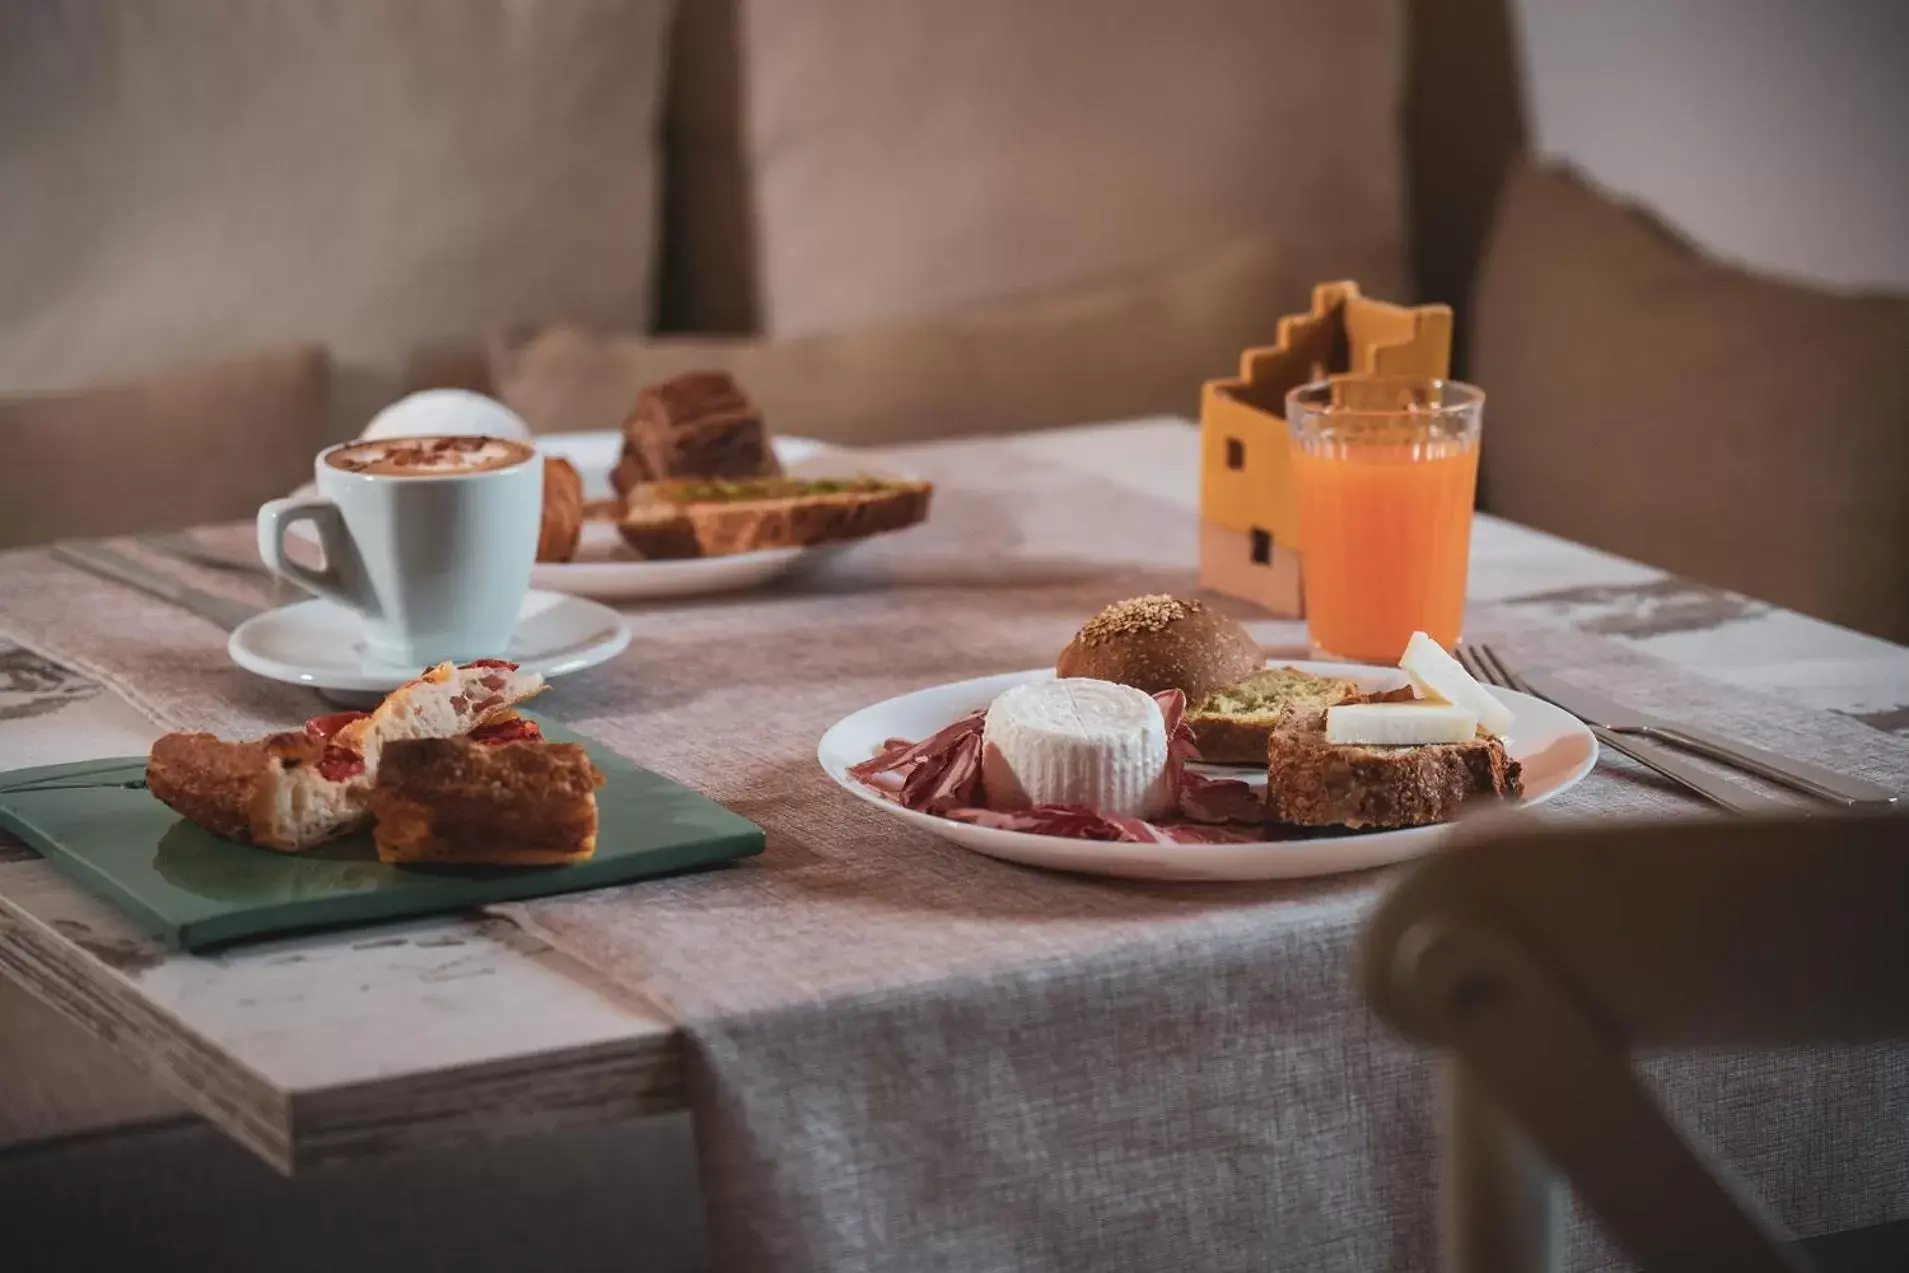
(608,569)
(1554,747)
(320,644)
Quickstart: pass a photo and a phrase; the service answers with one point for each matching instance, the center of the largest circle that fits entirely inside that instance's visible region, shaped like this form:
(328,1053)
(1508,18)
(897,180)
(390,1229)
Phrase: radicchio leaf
(939,773)
(1071,821)
(1213,800)
(1196,796)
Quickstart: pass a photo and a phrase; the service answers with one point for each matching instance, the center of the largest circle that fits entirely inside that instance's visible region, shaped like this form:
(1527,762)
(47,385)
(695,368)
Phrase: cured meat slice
(941,775)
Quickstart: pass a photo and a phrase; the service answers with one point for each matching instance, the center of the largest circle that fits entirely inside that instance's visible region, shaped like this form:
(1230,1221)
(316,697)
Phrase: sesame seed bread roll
(1160,642)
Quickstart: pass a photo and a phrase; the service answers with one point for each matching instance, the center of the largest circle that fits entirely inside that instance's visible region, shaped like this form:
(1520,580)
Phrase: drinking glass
(1384,471)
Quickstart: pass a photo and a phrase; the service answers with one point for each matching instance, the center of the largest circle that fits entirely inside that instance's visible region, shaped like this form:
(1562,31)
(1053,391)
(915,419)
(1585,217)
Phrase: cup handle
(278,516)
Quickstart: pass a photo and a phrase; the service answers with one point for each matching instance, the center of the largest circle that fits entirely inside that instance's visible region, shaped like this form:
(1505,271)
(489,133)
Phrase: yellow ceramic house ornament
(1249,525)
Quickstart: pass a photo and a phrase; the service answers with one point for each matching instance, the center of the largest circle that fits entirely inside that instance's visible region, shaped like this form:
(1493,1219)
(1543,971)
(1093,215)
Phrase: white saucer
(1554,747)
(319,644)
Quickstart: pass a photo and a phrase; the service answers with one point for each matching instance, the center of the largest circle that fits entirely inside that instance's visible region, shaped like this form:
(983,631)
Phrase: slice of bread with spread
(713,517)
(1231,725)
(1313,783)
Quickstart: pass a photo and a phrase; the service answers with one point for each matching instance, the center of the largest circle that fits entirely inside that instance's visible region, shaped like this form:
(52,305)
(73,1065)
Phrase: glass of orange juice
(1384,471)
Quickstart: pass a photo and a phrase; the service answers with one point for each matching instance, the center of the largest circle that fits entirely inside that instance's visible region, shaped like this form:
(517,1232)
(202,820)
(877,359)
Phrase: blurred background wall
(1774,133)
(243,226)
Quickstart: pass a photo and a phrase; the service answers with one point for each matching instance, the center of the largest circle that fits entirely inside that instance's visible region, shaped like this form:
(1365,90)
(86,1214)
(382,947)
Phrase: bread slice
(1313,783)
(1231,726)
(699,424)
(294,791)
(474,802)
(713,518)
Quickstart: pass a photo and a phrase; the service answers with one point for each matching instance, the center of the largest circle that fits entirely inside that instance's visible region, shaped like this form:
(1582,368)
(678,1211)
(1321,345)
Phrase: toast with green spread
(713,517)
(1232,725)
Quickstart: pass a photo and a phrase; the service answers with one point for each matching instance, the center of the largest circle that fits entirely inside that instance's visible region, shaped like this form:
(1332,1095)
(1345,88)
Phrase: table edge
(294,1129)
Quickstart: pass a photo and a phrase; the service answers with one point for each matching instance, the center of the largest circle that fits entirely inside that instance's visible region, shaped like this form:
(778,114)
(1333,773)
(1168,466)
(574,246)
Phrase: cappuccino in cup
(427,457)
(429,539)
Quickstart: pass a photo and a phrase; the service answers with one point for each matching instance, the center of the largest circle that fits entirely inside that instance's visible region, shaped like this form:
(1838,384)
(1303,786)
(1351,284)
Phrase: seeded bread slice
(698,518)
(1313,783)
(1231,726)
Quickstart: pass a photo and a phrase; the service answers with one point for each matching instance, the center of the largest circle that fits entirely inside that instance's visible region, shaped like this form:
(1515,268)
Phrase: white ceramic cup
(436,564)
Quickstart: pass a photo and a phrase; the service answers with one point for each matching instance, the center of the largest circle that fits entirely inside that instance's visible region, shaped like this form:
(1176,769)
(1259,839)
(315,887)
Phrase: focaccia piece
(294,791)
(473,801)
(270,792)
(447,700)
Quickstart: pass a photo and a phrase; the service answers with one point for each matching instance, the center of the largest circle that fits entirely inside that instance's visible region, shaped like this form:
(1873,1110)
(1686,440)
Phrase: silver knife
(1732,796)
(110,563)
(1799,775)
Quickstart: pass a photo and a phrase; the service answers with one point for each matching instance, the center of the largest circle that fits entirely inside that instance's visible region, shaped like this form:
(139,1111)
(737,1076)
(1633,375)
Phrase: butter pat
(1439,676)
(1400,724)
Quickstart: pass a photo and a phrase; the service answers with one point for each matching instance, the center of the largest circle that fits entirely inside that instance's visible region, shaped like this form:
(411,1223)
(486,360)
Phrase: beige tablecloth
(908,1057)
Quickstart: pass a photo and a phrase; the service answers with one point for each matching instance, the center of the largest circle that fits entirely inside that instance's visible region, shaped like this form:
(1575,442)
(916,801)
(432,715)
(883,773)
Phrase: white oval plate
(320,644)
(1554,747)
(608,569)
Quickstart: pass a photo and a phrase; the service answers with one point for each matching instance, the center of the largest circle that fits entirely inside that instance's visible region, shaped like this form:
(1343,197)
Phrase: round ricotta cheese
(1076,741)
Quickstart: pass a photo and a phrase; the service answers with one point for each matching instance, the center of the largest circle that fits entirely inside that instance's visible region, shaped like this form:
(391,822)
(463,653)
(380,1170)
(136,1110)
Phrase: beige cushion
(188,179)
(203,444)
(1648,400)
(1125,348)
(912,158)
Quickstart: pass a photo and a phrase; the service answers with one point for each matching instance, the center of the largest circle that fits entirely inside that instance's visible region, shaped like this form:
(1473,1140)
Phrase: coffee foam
(428,457)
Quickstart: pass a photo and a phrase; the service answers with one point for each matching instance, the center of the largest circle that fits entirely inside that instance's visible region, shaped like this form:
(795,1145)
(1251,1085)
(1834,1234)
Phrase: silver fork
(1485,664)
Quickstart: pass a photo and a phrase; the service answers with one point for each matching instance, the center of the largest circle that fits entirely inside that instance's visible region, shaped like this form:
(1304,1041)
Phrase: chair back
(1542,959)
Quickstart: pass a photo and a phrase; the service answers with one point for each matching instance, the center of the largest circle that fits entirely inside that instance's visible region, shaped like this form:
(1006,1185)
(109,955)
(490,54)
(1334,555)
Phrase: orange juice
(1385,516)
